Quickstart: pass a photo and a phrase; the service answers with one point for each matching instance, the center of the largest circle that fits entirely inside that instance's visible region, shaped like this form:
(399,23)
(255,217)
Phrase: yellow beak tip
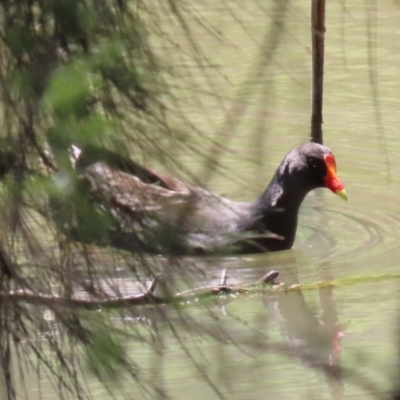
(342,194)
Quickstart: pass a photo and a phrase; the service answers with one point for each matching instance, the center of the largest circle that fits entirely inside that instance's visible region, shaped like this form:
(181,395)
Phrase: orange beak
(332,182)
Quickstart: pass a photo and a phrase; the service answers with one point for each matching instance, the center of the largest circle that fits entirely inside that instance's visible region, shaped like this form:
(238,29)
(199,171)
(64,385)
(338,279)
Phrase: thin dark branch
(318,47)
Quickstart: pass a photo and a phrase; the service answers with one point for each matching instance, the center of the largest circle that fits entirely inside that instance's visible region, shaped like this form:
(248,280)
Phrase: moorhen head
(307,167)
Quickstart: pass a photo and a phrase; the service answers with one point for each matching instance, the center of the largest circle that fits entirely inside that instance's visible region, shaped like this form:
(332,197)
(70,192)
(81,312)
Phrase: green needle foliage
(71,72)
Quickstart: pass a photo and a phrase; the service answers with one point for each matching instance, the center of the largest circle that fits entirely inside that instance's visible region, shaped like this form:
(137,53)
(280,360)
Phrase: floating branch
(147,297)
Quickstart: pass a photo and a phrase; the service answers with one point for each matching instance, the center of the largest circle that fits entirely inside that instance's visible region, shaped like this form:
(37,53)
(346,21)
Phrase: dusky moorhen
(160,214)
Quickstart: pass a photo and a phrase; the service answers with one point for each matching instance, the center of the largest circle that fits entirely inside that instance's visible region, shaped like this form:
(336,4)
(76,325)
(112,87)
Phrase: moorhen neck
(159,214)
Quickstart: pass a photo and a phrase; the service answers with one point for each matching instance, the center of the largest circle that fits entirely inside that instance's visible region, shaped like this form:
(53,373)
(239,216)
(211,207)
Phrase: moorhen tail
(159,214)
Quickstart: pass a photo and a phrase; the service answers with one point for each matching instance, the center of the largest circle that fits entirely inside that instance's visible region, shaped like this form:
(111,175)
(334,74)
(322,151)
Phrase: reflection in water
(313,340)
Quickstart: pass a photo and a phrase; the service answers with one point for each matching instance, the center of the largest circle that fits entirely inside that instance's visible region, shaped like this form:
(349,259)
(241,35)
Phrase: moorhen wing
(158,214)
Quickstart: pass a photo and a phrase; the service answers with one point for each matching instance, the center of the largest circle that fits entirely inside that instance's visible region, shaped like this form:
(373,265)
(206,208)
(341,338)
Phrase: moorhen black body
(159,214)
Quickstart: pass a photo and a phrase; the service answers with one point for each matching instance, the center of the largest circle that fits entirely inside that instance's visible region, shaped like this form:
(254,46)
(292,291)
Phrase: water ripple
(353,234)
